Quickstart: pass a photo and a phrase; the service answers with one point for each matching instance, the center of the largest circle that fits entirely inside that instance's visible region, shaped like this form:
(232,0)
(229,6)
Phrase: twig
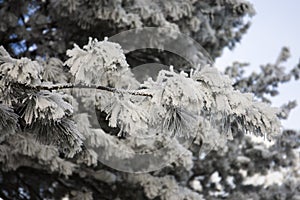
(98,87)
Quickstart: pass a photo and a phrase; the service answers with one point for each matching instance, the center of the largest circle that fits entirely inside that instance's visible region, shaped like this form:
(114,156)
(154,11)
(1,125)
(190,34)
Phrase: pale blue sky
(276,24)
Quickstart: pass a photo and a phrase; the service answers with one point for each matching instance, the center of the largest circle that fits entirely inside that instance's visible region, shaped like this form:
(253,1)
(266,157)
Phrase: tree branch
(98,87)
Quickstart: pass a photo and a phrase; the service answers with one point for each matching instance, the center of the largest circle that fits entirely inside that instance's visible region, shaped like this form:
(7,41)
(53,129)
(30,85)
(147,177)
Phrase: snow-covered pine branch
(176,104)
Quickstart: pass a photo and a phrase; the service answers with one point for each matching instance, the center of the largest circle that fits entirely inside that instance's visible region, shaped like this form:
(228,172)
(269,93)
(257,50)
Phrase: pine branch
(98,87)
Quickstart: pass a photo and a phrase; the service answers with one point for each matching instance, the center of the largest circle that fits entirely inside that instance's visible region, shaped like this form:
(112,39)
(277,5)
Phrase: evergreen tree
(78,117)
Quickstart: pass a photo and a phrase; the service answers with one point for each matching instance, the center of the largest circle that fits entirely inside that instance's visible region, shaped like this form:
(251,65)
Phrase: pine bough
(42,115)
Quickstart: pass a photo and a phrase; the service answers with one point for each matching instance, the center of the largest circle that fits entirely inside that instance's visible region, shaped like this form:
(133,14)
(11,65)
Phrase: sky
(276,24)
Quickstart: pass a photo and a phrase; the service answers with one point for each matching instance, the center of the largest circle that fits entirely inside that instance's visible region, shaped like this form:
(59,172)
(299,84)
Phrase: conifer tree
(79,120)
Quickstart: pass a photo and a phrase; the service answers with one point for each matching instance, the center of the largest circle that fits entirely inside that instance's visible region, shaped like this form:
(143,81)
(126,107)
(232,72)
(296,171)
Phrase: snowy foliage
(180,104)
(97,62)
(53,71)
(164,187)
(21,70)
(45,106)
(266,82)
(213,23)
(8,122)
(203,105)
(68,102)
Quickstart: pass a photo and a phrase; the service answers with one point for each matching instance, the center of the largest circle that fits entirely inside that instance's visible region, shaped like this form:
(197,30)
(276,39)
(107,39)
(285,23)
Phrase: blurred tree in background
(41,151)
